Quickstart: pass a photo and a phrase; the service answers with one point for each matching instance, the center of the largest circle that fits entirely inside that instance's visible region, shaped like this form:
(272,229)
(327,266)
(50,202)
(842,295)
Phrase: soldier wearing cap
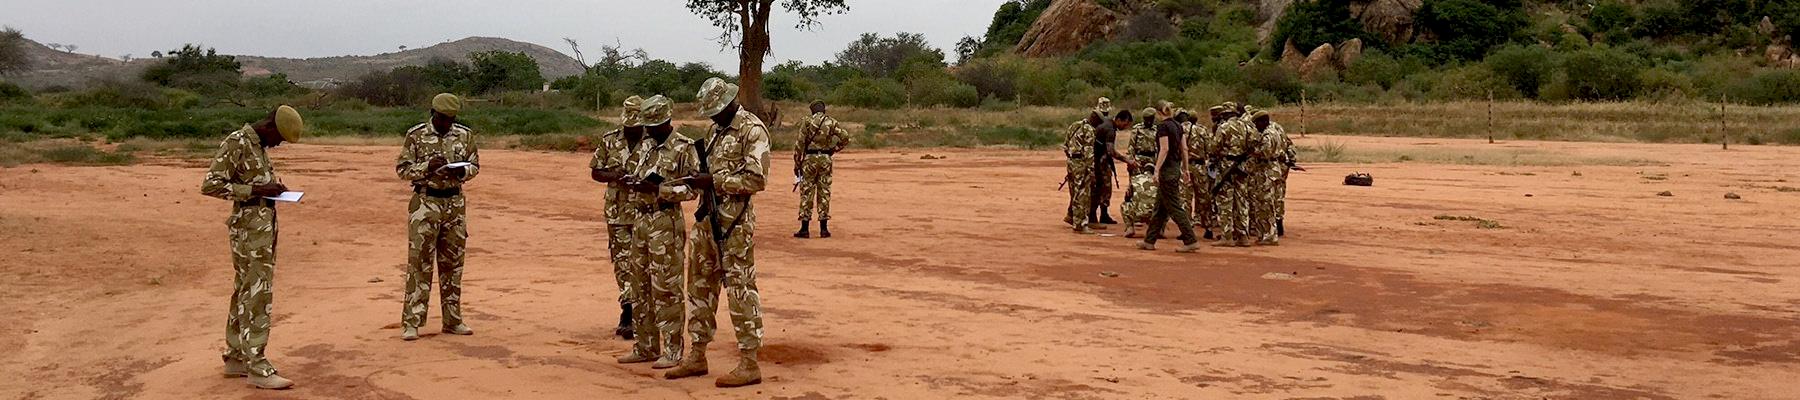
(1273,157)
(820,138)
(1203,150)
(1231,200)
(242,173)
(608,166)
(1106,135)
(437,158)
(1081,146)
(736,156)
(657,178)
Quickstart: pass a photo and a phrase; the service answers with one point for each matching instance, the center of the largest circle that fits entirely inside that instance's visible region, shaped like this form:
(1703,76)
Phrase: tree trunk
(754,18)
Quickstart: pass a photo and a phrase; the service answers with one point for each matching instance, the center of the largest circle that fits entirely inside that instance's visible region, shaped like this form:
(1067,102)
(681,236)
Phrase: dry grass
(1582,122)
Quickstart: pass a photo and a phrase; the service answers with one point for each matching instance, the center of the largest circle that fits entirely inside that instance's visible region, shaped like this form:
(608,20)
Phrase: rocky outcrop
(1291,57)
(1066,27)
(1390,19)
(1766,27)
(1320,60)
(1350,52)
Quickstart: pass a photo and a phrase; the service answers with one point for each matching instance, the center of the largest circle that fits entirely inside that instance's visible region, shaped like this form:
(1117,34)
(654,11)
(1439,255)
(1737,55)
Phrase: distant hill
(59,68)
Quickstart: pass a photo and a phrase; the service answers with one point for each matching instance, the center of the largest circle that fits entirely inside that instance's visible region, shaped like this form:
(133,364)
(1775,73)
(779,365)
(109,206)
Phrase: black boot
(1106,216)
(624,330)
(803,233)
(1280,228)
(1209,234)
(824,228)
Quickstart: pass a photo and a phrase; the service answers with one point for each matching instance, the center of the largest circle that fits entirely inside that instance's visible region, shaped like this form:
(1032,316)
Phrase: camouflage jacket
(1203,143)
(672,159)
(423,143)
(1143,147)
(1079,145)
(1235,139)
(739,155)
(242,164)
(613,154)
(825,133)
(1274,151)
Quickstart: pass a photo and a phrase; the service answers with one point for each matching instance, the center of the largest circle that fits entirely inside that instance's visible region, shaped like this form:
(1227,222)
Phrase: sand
(951,277)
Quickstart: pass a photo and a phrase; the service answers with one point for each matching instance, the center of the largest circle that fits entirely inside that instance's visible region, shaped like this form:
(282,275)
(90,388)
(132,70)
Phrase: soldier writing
(437,158)
(242,174)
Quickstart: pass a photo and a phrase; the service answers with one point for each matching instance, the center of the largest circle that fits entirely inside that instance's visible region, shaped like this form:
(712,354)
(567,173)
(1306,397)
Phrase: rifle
(1065,182)
(1233,171)
(710,200)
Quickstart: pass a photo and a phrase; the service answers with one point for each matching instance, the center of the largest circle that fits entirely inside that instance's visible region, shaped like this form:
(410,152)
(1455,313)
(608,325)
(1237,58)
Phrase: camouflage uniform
(437,232)
(1142,201)
(1232,201)
(612,155)
(241,165)
(820,138)
(738,155)
(1270,177)
(1079,147)
(658,239)
(1203,148)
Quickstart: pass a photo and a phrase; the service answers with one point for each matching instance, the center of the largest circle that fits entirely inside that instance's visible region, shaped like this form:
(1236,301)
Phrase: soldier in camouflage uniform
(1141,202)
(242,173)
(1273,155)
(1203,149)
(657,178)
(1232,198)
(820,139)
(437,158)
(608,166)
(1078,146)
(737,159)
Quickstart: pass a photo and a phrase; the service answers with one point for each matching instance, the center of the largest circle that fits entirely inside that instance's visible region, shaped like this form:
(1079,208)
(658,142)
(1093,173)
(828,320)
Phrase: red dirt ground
(952,277)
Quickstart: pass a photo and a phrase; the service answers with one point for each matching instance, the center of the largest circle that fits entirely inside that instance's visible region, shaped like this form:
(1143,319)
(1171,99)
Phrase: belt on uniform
(1078,157)
(1197,161)
(438,193)
(256,202)
(1150,154)
(820,152)
(659,207)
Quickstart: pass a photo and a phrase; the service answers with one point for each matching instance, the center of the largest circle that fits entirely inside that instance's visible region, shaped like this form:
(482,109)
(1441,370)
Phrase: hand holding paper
(290,197)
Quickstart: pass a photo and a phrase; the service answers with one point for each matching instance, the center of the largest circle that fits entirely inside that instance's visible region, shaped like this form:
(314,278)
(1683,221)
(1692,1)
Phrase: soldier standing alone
(737,162)
(438,157)
(820,139)
(608,166)
(241,173)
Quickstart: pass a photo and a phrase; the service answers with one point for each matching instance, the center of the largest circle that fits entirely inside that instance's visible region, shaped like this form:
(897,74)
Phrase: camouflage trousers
(658,241)
(1171,205)
(253,236)
(618,247)
(737,274)
(1269,190)
(1201,197)
(437,234)
(815,186)
(1142,204)
(1081,191)
(1233,207)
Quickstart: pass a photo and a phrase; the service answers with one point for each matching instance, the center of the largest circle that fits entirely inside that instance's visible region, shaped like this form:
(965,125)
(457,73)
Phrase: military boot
(634,357)
(459,329)
(803,233)
(1131,231)
(1106,217)
(667,361)
(746,373)
(824,228)
(272,381)
(693,365)
(1243,242)
(235,368)
(1208,235)
(624,330)
(409,334)
(1280,227)
(1189,248)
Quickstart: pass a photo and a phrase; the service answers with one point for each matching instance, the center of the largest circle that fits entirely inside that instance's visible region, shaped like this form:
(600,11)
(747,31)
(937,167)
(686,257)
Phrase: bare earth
(951,278)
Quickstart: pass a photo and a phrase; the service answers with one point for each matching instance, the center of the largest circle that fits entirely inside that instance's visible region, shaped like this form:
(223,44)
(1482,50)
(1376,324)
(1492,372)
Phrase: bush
(1310,24)
(870,93)
(1027,137)
(1274,81)
(1525,67)
(1777,86)
(503,71)
(1467,29)
(1602,74)
(1375,67)
(1473,82)
(1663,84)
(995,77)
(399,87)
(119,94)
(1613,20)
(13,93)
(1043,85)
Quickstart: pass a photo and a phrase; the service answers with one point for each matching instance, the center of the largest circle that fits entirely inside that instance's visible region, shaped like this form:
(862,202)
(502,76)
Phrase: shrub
(119,94)
(1777,86)
(1663,84)
(399,87)
(1467,29)
(1525,67)
(13,93)
(1027,137)
(1312,23)
(1602,74)
(995,77)
(1274,81)
(871,93)
(1375,67)
(1473,82)
(1042,85)
(1612,20)
(502,71)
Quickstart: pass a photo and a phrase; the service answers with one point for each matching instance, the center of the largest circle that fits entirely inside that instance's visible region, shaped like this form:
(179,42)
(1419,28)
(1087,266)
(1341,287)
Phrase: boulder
(1778,53)
(1350,52)
(1390,19)
(1291,57)
(1766,27)
(1321,59)
(1267,12)
(1065,27)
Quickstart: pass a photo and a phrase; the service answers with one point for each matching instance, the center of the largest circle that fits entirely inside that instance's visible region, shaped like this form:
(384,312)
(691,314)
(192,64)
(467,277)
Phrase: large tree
(746,27)
(12,51)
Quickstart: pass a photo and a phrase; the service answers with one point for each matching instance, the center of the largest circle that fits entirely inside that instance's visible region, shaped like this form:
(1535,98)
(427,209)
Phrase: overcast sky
(317,28)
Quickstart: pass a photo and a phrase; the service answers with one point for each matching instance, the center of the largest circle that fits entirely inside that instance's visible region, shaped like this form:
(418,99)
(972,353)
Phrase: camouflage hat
(1216,110)
(447,104)
(1231,107)
(1251,110)
(288,123)
(714,95)
(1259,114)
(632,113)
(658,110)
(1103,106)
(1151,111)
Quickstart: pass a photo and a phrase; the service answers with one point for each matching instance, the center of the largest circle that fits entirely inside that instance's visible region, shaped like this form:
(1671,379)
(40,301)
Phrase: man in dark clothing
(1171,159)
(1105,135)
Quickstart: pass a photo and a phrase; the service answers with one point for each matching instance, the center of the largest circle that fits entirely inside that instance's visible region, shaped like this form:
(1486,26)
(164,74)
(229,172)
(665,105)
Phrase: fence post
(1490,109)
(1724,136)
(1302,112)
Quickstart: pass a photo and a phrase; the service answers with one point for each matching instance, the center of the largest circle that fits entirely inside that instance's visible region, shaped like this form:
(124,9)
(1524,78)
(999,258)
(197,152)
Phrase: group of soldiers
(1227,177)
(666,285)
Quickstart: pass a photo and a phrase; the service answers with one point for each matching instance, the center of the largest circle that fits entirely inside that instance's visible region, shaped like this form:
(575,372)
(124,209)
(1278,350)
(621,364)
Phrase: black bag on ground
(1359,179)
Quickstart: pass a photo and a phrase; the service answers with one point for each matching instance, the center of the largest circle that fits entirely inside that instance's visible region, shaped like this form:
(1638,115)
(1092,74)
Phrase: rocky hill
(1067,26)
(59,68)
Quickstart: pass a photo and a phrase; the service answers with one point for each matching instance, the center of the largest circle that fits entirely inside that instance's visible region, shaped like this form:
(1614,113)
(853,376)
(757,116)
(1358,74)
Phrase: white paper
(458,164)
(291,197)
